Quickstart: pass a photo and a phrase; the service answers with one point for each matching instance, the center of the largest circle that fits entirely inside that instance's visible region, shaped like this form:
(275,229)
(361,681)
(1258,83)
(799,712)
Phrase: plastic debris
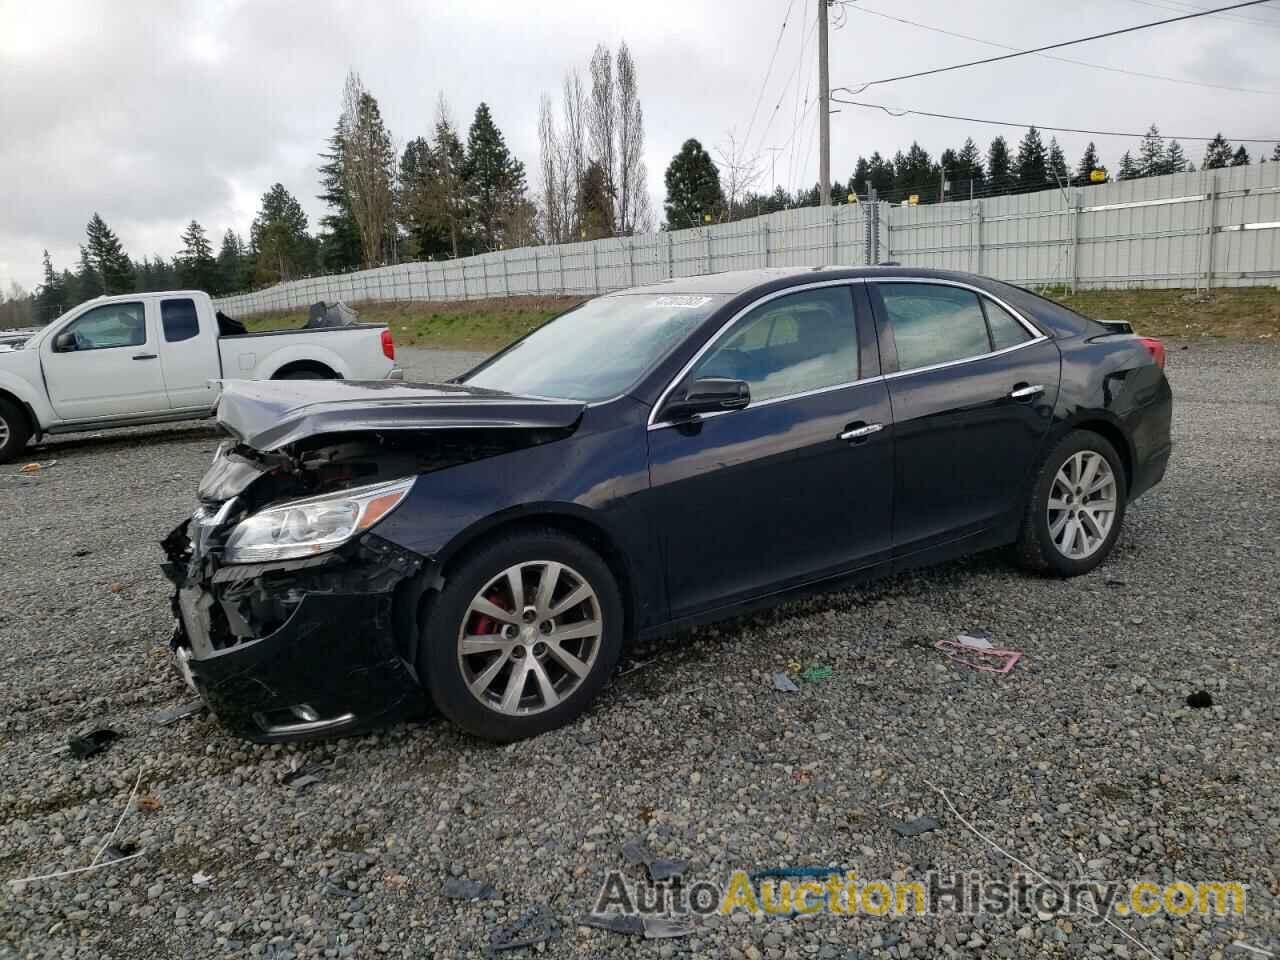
(651,928)
(784,683)
(148,804)
(799,872)
(814,674)
(537,926)
(181,711)
(36,467)
(95,741)
(1199,700)
(302,776)
(975,640)
(660,869)
(200,879)
(460,888)
(977,658)
(916,827)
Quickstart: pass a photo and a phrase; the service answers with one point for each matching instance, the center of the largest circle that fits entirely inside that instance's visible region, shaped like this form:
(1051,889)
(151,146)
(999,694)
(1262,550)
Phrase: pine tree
(999,172)
(495,179)
(197,269)
(1057,164)
(1032,164)
(861,174)
(1275,154)
(880,173)
(368,168)
(231,266)
(915,173)
(447,197)
(1217,154)
(426,239)
(1241,157)
(1088,163)
(1129,170)
(339,236)
(88,281)
(110,262)
(279,237)
(1175,158)
(595,206)
(969,166)
(693,187)
(70,290)
(1151,160)
(49,298)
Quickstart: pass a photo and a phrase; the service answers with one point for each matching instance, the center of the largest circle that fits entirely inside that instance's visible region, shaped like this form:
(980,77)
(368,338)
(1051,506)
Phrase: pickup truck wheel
(305,375)
(14,431)
(523,636)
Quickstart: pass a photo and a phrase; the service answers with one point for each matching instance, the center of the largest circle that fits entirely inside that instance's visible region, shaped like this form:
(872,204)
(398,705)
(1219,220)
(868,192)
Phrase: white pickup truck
(154,357)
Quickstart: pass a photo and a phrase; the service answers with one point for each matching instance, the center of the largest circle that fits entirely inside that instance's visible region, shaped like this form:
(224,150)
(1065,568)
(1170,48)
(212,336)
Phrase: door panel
(189,355)
(964,447)
(114,370)
(770,496)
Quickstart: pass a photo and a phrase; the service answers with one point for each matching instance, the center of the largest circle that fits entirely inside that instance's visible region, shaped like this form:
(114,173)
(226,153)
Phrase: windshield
(598,350)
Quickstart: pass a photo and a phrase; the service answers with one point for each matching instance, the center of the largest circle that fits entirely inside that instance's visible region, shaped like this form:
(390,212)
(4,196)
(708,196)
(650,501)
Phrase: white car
(154,357)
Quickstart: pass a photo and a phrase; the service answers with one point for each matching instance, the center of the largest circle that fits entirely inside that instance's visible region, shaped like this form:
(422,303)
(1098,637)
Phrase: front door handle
(856,434)
(144,356)
(1025,391)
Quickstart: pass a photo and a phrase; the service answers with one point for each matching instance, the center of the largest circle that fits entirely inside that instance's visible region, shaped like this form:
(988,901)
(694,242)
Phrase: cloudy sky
(153,113)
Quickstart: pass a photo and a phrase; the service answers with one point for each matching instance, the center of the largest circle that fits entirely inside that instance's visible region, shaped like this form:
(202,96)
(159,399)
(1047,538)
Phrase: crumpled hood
(269,414)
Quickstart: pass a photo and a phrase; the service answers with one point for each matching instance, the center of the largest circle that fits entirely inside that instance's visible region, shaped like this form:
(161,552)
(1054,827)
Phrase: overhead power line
(1051,46)
(1049,56)
(777,45)
(902,112)
(813,28)
(1176,5)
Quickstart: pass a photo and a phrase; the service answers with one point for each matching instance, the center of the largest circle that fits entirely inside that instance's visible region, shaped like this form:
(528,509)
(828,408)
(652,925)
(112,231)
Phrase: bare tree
(602,118)
(740,174)
(549,169)
(573,151)
(633,193)
(368,162)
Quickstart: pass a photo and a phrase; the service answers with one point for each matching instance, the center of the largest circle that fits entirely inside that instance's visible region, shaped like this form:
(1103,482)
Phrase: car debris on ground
(784,684)
(971,654)
(537,926)
(93,742)
(179,712)
(660,869)
(1199,700)
(913,828)
(651,928)
(460,888)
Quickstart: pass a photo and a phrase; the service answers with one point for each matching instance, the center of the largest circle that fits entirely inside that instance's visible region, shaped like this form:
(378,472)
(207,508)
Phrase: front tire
(1076,507)
(14,431)
(523,636)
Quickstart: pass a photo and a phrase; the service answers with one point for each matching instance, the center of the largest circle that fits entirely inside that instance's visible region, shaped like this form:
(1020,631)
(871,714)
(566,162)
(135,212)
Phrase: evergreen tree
(70,291)
(231,265)
(368,169)
(1032,164)
(339,234)
(1275,154)
(88,281)
(693,187)
(969,167)
(427,238)
(1241,157)
(880,172)
(1175,158)
(110,262)
(595,206)
(447,196)
(495,179)
(1088,163)
(861,174)
(197,270)
(50,297)
(1217,154)
(279,237)
(915,173)
(999,167)
(1059,175)
(1129,170)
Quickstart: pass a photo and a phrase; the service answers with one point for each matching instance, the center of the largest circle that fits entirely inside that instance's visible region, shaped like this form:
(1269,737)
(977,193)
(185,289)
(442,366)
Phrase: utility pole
(824,110)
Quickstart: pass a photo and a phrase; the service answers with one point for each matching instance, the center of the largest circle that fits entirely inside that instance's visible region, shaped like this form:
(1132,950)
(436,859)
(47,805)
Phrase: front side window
(934,324)
(178,317)
(111,325)
(799,342)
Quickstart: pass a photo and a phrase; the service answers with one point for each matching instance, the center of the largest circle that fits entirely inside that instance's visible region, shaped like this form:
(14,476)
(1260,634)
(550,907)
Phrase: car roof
(740,281)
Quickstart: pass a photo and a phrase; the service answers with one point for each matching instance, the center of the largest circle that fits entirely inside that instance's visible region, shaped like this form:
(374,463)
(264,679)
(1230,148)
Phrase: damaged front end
(294,619)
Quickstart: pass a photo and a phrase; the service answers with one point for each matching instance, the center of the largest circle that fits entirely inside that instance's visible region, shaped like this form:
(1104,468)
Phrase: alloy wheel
(4,432)
(1082,505)
(530,637)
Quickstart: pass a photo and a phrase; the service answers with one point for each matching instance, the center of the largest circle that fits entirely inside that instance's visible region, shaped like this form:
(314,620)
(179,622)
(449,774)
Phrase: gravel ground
(1083,760)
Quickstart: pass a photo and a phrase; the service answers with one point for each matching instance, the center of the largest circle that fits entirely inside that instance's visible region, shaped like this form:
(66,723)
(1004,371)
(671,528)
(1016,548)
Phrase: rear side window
(803,341)
(179,320)
(934,324)
(1006,331)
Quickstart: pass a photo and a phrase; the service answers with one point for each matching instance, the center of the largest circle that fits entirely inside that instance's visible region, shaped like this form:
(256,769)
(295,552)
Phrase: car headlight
(303,528)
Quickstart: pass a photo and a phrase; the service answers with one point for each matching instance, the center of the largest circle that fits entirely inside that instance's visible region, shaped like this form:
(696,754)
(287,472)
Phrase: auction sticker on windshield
(687,302)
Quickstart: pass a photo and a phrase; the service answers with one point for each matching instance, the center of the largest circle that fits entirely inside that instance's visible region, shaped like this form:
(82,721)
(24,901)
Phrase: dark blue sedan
(652,459)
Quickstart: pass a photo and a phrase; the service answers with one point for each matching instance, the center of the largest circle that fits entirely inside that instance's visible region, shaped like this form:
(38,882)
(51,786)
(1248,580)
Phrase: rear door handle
(855,434)
(144,356)
(1025,391)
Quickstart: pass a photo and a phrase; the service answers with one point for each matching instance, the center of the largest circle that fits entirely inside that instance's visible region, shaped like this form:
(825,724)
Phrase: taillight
(389,347)
(1156,348)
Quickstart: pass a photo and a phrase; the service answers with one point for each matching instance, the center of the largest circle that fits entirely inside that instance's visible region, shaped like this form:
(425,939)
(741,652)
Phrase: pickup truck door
(188,353)
(111,366)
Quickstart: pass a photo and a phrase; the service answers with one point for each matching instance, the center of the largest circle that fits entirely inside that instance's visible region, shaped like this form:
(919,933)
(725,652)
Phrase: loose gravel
(1085,760)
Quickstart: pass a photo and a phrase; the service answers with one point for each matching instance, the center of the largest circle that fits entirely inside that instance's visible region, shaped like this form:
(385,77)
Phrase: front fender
(32,396)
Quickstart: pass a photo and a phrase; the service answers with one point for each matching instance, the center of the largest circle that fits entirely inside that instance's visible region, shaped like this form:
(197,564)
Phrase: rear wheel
(308,374)
(1076,507)
(14,430)
(523,636)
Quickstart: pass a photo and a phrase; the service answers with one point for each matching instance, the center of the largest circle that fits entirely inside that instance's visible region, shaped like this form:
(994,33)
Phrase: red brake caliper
(483,625)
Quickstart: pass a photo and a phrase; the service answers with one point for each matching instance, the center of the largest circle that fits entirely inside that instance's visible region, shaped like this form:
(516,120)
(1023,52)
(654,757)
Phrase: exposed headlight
(303,528)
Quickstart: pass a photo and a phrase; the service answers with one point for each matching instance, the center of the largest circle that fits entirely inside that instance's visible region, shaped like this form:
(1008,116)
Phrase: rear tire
(14,430)
(306,375)
(1075,508)
(533,658)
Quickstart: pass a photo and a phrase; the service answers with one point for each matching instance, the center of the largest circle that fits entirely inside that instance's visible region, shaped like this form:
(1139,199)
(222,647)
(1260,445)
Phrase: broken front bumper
(309,648)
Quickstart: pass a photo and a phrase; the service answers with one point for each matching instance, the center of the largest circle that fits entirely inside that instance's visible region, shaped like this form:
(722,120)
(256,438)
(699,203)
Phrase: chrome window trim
(715,338)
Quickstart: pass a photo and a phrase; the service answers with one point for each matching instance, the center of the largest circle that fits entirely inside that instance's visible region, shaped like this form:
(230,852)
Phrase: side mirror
(64,343)
(707,395)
